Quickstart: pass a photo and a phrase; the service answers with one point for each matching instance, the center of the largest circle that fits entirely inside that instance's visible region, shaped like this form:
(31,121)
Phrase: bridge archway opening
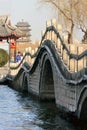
(47,83)
(83,114)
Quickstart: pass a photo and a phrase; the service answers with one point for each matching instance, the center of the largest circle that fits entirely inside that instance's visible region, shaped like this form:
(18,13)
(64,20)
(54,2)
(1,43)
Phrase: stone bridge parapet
(56,71)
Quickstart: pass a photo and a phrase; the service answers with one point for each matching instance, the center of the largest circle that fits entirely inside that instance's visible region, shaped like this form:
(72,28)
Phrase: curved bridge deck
(56,73)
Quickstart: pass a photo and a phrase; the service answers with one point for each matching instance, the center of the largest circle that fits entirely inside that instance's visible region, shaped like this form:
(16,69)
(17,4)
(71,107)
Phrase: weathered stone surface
(49,78)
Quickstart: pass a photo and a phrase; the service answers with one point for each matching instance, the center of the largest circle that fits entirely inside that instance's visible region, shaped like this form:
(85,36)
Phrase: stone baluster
(65,57)
(48,24)
(59,29)
(73,62)
(68,64)
(42,34)
(33,58)
(81,61)
(36,49)
(59,45)
(77,61)
(26,50)
(84,62)
(29,49)
(54,37)
(62,51)
(65,39)
(85,57)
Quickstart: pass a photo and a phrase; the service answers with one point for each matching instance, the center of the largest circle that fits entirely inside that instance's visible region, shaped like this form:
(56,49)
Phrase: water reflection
(45,115)
(21,112)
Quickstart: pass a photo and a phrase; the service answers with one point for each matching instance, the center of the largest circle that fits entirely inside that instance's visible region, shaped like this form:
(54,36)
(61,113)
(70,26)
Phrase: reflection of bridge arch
(46,80)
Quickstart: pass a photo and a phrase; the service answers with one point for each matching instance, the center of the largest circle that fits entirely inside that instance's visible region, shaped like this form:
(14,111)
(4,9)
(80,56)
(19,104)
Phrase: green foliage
(4,57)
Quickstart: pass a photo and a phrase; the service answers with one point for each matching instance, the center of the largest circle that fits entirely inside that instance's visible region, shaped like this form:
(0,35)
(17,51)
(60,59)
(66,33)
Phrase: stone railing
(28,57)
(73,55)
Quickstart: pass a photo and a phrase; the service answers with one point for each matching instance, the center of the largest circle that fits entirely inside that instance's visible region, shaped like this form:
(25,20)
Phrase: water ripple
(21,112)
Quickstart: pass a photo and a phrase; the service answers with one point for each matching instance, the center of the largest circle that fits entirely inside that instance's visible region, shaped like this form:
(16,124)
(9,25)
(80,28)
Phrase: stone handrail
(61,47)
(64,47)
(26,54)
(74,56)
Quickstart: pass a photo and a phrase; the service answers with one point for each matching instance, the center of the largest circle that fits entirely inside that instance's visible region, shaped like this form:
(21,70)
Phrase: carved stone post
(59,29)
(48,24)
(77,61)
(42,33)
(29,50)
(54,37)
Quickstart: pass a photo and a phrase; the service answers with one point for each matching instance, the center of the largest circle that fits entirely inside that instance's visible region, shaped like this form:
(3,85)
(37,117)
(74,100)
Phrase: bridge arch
(82,105)
(46,80)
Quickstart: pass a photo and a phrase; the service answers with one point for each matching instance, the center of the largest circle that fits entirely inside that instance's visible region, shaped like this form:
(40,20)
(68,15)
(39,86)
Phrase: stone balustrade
(72,64)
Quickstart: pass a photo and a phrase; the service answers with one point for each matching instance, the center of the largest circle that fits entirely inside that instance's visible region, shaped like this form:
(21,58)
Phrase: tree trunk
(70,34)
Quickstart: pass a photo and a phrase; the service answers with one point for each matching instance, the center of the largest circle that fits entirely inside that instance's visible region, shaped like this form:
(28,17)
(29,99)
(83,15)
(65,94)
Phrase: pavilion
(9,33)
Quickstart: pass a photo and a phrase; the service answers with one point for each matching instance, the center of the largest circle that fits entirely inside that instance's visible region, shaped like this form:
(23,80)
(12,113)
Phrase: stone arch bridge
(55,73)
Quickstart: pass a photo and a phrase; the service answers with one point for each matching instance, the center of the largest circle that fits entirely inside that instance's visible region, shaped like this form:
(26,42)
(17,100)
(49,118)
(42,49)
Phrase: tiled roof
(7,30)
(22,24)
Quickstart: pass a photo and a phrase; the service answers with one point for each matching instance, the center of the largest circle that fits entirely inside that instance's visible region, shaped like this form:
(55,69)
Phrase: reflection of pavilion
(9,34)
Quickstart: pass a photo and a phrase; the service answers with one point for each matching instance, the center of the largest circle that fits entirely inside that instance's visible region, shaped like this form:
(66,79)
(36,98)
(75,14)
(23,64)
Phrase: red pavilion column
(13,50)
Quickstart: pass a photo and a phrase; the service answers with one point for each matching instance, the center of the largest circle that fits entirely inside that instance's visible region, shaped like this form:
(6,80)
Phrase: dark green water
(20,112)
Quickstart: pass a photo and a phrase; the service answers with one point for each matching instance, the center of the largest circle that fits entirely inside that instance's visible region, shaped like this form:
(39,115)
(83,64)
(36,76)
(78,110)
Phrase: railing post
(85,61)
(69,59)
(53,21)
(65,37)
(62,51)
(48,23)
(58,45)
(32,59)
(73,61)
(26,50)
(59,29)
(77,61)
(54,37)
(81,61)
(74,65)
(29,50)
(65,57)
(42,33)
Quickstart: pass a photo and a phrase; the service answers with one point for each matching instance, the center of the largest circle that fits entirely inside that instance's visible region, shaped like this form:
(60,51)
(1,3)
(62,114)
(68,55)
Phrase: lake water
(21,112)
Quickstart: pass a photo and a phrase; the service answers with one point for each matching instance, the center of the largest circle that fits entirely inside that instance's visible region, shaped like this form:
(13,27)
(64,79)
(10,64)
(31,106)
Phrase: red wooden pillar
(13,50)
